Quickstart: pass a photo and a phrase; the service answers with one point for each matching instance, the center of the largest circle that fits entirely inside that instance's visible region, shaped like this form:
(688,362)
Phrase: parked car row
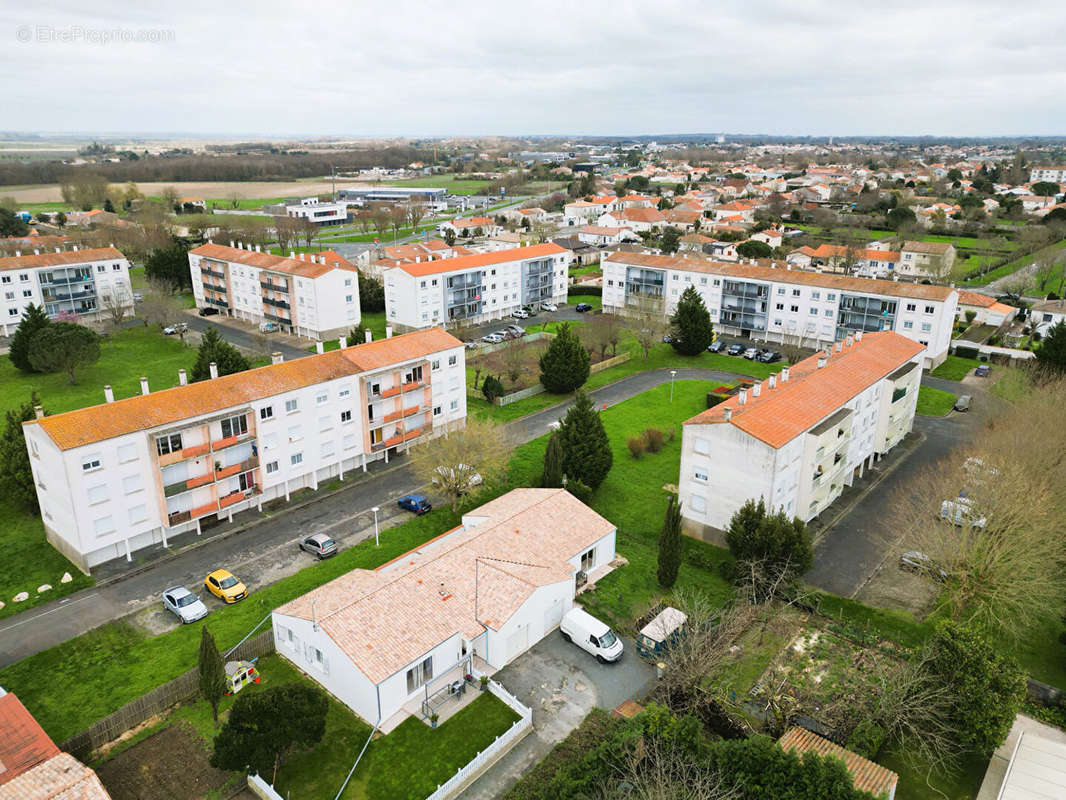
(502,335)
(762,354)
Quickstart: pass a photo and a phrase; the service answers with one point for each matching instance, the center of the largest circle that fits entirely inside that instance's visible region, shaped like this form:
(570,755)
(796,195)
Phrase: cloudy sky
(356,68)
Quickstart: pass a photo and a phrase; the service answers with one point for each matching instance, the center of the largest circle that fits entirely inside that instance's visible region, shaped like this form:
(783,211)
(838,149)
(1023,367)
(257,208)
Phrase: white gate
(517,642)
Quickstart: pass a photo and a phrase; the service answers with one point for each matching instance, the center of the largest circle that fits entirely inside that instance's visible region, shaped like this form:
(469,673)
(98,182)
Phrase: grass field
(1051,251)
(1012,383)
(955,368)
(453,183)
(934,402)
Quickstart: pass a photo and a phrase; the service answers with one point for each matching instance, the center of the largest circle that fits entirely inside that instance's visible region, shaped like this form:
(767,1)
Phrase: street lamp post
(377,542)
(673,372)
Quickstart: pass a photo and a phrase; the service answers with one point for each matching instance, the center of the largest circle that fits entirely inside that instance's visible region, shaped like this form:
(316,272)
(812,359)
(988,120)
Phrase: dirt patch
(894,588)
(169,765)
(50,193)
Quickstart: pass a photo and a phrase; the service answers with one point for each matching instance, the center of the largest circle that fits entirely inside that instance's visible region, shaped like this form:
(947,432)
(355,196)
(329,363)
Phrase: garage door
(553,614)
(517,642)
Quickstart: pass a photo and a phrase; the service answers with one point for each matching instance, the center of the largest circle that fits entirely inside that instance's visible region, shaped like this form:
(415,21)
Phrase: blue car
(416,503)
(983,371)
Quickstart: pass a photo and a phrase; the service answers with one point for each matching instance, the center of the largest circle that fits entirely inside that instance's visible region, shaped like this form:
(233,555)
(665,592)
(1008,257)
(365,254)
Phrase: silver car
(318,544)
(185,605)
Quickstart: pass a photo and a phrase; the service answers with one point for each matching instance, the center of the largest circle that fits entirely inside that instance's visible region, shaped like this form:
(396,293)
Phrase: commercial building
(311,294)
(797,439)
(783,305)
(320,213)
(386,641)
(130,473)
(475,288)
(84,282)
(436,198)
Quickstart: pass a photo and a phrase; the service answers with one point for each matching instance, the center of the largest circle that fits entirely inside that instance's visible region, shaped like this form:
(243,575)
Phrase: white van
(590,634)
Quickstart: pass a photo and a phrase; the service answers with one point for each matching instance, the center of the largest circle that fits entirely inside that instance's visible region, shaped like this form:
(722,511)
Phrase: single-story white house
(596,234)
(473,598)
(988,311)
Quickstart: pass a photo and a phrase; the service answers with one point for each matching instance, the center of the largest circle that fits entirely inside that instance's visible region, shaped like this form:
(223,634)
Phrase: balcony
(410,387)
(274,287)
(206,508)
(412,410)
(236,497)
(395,440)
(412,434)
(229,441)
(195,450)
(277,317)
(201,480)
(178,517)
(391,416)
(226,472)
(217,302)
(276,303)
(212,272)
(392,391)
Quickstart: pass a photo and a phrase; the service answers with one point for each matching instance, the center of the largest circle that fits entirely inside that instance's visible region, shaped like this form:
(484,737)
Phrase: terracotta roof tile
(305,267)
(865,774)
(60,259)
(23,743)
(386,618)
(968,298)
(144,412)
(482,259)
(811,394)
(61,777)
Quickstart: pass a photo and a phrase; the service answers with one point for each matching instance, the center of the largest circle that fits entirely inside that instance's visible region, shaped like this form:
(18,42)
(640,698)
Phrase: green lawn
(955,368)
(917,784)
(574,296)
(577,271)
(1051,251)
(934,402)
(1011,383)
(455,184)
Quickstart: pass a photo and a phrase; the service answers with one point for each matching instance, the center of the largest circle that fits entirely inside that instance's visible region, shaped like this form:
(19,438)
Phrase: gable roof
(61,259)
(968,298)
(778,415)
(933,248)
(844,283)
(61,777)
(482,259)
(303,267)
(385,619)
(23,742)
(865,774)
(144,412)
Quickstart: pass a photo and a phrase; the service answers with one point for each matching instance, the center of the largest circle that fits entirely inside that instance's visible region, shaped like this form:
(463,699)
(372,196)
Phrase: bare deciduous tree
(647,322)
(416,212)
(115,305)
(653,769)
(160,306)
(516,358)
(379,215)
(451,462)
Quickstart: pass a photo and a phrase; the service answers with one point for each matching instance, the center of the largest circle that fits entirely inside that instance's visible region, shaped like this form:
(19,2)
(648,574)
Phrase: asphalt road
(265,551)
(244,337)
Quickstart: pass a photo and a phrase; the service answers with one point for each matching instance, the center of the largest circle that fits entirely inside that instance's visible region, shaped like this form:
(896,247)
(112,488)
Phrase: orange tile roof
(472,222)
(779,415)
(482,259)
(385,619)
(844,283)
(60,259)
(865,774)
(23,742)
(144,412)
(61,777)
(968,298)
(639,215)
(305,267)
(604,230)
(935,248)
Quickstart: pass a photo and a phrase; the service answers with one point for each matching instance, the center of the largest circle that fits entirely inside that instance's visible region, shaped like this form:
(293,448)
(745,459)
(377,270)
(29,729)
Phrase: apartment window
(911,306)
(322,398)
(138,513)
(926,327)
(296,458)
(131,484)
(422,285)
(90,463)
(793,309)
(126,453)
(116,267)
(780,306)
(816,295)
(831,296)
(266,412)
(103,525)
(97,494)
(929,309)
(346,416)
(676,276)
(345,392)
(813,311)
(588,560)
(295,433)
(316,658)
(700,476)
(349,441)
(703,281)
(272,467)
(454,405)
(795,292)
(829,312)
(12,312)
(437,411)
(697,503)
(168,444)
(27,293)
(419,674)
(702,446)
(24,277)
(270,441)
(234,426)
(907,325)
(453,360)
(435,365)
(717,282)
(9,295)
(292,405)
(347,298)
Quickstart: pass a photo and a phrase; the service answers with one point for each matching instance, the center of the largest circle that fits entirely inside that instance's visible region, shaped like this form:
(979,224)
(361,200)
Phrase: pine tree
(214,348)
(670,545)
(564,366)
(691,324)
(212,671)
(1051,354)
(64,346)
(492,388)
(16,476)
(587,455)
(552,477)
(33,319)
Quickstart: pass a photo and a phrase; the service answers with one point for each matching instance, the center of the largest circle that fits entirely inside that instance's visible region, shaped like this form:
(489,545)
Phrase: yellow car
(224,585)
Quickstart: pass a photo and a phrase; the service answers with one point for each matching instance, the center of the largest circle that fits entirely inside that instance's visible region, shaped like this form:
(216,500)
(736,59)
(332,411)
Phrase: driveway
(561,683)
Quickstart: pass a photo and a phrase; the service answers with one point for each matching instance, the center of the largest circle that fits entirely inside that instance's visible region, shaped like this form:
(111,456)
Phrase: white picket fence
(501,745)
(260,788)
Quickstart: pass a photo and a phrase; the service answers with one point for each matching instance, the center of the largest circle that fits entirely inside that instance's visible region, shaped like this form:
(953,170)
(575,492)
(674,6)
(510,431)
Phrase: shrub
(866,739)
(492,388)
(636,446)
(970,316)
(579,490)
(653,440)
(671,433)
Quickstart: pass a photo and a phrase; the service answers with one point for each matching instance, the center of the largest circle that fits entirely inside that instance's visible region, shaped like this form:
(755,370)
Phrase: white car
(184,604)
(170,330)
(520,313)
(549,307)
(493,338)
(751,353)
(591,635)
(960,511)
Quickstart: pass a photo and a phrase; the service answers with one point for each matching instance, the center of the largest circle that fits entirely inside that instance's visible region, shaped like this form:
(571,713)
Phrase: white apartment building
(919,260)
(130,473)
(311,294)
(314,210)
(475,288)
(83,282)
(784,305)
(1050,174)
(797,439)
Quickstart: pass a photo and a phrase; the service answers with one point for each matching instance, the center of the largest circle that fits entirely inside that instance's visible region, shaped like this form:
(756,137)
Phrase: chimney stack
(292,254)
(343,342)
(784,375)
(213,366)
(858,336)
(257,248)
(388,332)
(276,357)
(849,340)
(38,412)
(369,335)
(320,348)
(839,346)
(742,397)
(756,389)
(232,243)
(183,378)
(109,395)
(144,385)
(822,360)
(302,257)
(773,382)
(240,245)
(727,414)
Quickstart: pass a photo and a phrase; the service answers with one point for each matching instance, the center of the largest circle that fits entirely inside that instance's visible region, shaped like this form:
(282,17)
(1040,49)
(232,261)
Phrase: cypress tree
(214,348)
(691,324)
(587,455)
(16,475)
(33,319)
(552,477)
(564,366)
(212,671)
(670,545)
